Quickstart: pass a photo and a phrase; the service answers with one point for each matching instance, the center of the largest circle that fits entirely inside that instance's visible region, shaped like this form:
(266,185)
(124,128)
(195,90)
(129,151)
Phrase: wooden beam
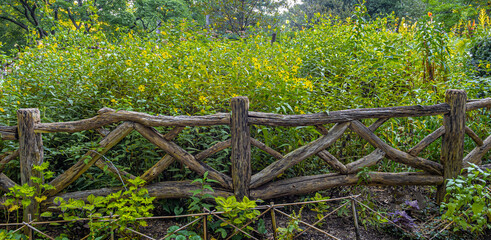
(165,161)
(452,152)
(8,158)
(86,161)
(171,189)
(332,161)
(213,149)
(366,161)
(158,168)
(6,183)
(308,184)
(181,155)
(475,156)
(394,154)
(30,154)
(482,103)
(241,147)
(473,136)
(270,119)
(377,124)
(108,116)
(414,151)
(298,155)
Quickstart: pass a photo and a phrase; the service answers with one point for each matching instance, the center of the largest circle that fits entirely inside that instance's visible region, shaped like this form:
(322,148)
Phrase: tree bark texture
(30,153)
(452,152)
(308,184)
(241,147)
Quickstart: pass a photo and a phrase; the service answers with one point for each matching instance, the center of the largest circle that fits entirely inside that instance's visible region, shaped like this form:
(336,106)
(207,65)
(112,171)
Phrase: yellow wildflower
(114,100)
(308,85)
(141,88)
(1,110)
(203,99)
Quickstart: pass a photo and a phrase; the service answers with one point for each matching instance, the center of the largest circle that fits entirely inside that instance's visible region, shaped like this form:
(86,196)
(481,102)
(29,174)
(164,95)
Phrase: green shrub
(469,201)
(481,56)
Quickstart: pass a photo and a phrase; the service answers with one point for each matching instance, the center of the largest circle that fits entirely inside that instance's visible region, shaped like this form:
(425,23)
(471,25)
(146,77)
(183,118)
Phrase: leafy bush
(128,206)
(185,69)
(481,56)
(238,213)
(469,200)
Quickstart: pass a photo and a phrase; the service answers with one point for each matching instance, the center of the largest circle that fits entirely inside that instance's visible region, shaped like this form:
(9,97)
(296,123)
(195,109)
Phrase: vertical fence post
(205,225)
(273,221)
(241,147)
(30,153)
(452,152)
(355,219)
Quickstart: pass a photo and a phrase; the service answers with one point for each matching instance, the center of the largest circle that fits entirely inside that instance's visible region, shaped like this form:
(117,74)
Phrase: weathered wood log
(8,158)
(86,161)
(241,147)
(452,152)
(8,129)
(332,161)
(213,149)
(473,136)
(304,185)
(171,189)
(478,152)
(485,166)
(6,183)
(8,136)
(270,119)
(158,168)
(377,124)
(169,136)
(394,154)
(8,133)
(30,154)
(181,155)
(102,131)
(321,129)
(266,149)
(482,103)
(367,161)
(298,155)
(165,161)
(109,116)
(414,151)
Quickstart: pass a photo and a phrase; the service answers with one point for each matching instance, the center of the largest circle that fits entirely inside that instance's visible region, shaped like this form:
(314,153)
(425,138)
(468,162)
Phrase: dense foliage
(179,66)
(186,69)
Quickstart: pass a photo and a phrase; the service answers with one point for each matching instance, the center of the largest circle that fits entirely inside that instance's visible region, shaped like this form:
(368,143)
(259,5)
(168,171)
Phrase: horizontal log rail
(261,184)
(109,116)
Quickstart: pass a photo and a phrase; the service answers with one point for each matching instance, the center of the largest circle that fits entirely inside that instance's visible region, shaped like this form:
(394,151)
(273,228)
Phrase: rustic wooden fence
(242,182)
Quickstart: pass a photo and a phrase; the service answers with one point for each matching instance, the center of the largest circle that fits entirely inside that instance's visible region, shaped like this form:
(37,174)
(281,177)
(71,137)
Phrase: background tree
(46,17)
(237,15)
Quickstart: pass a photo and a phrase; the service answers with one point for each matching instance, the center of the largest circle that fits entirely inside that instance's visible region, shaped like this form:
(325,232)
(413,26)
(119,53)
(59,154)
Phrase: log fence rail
(242,182)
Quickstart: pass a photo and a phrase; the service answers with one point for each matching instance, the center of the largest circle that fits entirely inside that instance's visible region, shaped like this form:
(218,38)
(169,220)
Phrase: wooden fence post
(241,147)
(30,153)
(452,152)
